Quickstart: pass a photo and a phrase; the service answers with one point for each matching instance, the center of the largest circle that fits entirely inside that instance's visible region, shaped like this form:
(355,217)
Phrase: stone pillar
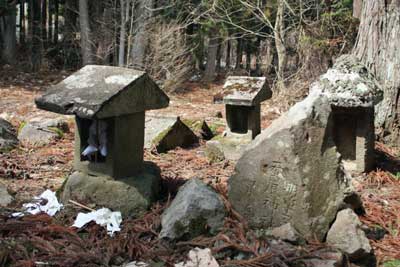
(365,140)
(254,121)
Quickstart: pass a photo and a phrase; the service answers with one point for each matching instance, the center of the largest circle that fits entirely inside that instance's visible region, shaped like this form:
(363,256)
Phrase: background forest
(176,40)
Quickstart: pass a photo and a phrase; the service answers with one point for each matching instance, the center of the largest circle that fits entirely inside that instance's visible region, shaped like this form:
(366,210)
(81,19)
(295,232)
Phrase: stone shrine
(242,98)
(109,105)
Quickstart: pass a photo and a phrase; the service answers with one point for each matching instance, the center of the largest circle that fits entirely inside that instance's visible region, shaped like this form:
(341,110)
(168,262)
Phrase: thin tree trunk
(50,9)
(377,46)
(248,56)
(22,22)
(228,55)
(212,50)
(56,21)
(239,53)
(44,22)
(219,56)
(279,42)
(36,48)
(122,35)
(8,52)
(86,45)
(141,40)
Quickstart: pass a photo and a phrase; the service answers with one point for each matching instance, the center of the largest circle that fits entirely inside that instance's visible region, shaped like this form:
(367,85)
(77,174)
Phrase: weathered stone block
(292,173)
(8,138)
(133,196)
(196,210)
(41,131)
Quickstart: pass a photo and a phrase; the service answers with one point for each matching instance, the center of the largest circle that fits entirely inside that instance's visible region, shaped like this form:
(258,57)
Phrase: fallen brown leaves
(380,192)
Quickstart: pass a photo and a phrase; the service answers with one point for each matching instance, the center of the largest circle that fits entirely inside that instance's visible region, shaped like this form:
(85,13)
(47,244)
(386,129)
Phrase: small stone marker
(242,98)
(109,105)
(166,133)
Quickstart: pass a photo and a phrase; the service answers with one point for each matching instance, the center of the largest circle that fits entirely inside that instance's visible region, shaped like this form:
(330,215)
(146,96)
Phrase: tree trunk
(228,55)
(239,53)
(36,48)
(357,7)
(140,42)
(279,42)
(22,22)
(209,73)
(70,16)
(86,45)
(56,13)
(44,22)
(377,46)
(248,56)
(8,51)
(122,35)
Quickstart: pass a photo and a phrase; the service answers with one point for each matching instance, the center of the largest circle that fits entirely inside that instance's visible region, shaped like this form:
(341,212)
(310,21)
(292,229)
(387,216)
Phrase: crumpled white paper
(103,217)
(47,202)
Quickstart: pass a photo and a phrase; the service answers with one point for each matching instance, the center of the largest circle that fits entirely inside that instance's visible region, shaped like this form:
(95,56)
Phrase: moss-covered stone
(133,196)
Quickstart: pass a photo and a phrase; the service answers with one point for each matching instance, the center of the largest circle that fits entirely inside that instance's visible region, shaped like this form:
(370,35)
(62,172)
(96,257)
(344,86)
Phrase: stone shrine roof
(246,91)
(103,91)
(349,83)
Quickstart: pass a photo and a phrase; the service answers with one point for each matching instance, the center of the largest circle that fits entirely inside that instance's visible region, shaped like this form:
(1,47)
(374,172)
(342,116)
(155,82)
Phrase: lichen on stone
(349,83)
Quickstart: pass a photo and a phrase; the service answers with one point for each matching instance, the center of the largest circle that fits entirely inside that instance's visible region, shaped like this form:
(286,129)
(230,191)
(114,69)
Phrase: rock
(287,233)
(325,257)
(42,131)
(200,128)
(167,133)
(199,258)
(196,209)
(346,234)
(8,138)
(5,197)
(136,264)
(230,147)
(133,196)
(280,176)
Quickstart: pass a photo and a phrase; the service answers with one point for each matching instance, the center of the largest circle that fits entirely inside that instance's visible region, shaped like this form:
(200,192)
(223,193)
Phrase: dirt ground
(28,171)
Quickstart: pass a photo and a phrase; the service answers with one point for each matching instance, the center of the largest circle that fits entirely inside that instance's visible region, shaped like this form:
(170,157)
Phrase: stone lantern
(109,105)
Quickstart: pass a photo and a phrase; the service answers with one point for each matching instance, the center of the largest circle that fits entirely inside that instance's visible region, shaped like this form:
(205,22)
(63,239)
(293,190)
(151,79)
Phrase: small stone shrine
(109,105)
(352,92)
(242,98)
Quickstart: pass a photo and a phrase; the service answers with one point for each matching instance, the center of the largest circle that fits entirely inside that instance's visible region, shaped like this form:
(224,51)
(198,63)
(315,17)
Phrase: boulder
(132,196)
(291,172)
(287,233)
(230,147)
(42,131)
(5,197)
(8,138)
(196,209)
(346,234)
(166,133)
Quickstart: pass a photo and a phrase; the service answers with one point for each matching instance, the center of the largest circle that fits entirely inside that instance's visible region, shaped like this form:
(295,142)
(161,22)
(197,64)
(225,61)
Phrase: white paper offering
(47,202)
(104,217)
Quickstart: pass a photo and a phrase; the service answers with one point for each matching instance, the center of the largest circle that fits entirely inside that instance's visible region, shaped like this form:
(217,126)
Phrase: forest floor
(28,171)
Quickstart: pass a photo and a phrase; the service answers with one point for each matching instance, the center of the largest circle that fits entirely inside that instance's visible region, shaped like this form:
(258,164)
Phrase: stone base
(133,196)
(229,147)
